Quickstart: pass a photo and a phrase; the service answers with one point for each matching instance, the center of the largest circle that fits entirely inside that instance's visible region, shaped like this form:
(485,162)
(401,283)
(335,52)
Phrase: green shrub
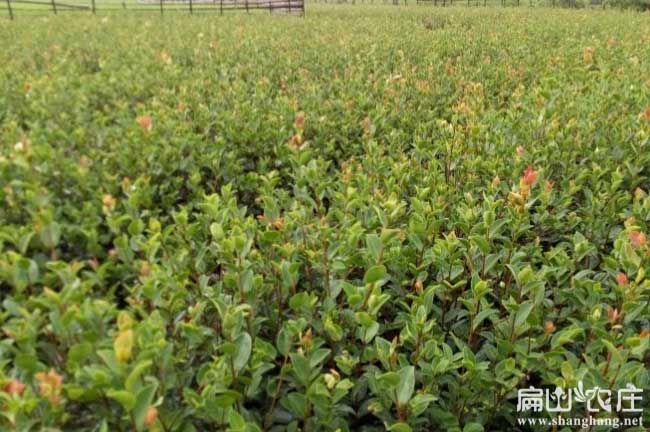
(352,221)
(640,5)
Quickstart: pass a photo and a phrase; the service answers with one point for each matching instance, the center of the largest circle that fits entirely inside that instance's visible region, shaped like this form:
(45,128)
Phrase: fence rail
(291,7)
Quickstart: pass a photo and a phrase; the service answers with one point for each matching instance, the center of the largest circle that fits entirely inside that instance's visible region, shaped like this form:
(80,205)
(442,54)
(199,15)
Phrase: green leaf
(132,379)
(400,427)
(300,301)
(522,314)
(473,427)
(374,274)
(481,316)
(374,245)
(78,353)
(479,289)
(142,404)
(216,229)
(565,336)
(364,318)
(616,354)
(243,344)
(406,385)
(419,403)
(301,368)
(125,398)
(567,370)
(25,272)
(630,255)
(50,235)
(283,342)
(236,422)
(296,403)
(227,398)
(318,356)
(392,379)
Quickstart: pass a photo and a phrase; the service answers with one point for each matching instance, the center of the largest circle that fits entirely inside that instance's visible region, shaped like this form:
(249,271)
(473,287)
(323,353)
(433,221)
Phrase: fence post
(246,3)
(191,8)
(11,12)
(54,7)
(93,6)
(220,7)
(161,7)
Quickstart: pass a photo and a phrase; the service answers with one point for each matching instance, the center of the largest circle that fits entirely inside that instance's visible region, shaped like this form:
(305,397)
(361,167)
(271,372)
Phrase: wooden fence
(291,7)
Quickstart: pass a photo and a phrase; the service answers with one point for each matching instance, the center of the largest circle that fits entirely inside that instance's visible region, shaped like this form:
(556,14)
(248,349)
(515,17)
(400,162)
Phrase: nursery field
(371,218)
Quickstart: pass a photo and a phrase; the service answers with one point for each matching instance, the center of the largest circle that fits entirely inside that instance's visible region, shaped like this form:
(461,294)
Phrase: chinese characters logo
(596,399)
